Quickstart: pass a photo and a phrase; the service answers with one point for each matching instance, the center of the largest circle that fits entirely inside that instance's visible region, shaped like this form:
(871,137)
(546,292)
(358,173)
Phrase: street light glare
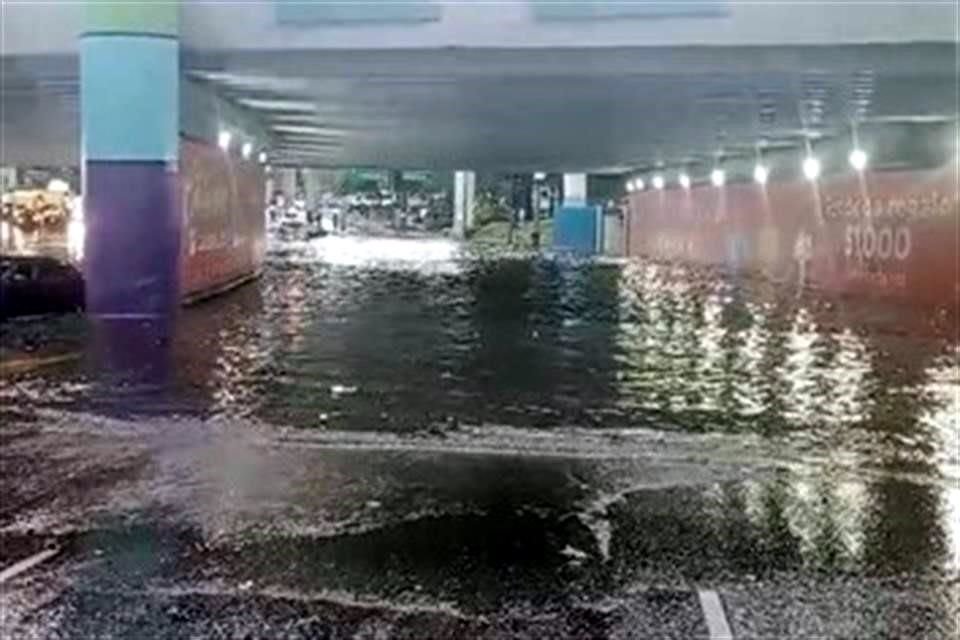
(658,182)
(223,139)
(811,168)
(58,186)
(684,180)
(858,159)
(761,174)
(718,177)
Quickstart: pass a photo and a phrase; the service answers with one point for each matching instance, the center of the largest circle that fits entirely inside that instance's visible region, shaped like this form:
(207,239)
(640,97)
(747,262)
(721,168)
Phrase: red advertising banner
(884,233)
(224,227)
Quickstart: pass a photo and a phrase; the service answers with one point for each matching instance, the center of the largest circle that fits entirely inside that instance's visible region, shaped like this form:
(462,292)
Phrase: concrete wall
(213,26)
(224,237)
(883,233)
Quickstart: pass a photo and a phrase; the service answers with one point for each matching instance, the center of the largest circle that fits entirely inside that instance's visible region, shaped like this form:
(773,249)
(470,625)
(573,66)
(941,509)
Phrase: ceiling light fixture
(223,139)
(718,177)
(760,174)
(858,159)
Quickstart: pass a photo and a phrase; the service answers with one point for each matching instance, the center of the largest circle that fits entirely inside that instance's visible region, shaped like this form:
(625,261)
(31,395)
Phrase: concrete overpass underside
(583,109)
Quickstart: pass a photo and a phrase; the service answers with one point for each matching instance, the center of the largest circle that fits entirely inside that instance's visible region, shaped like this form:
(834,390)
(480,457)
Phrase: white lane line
(26,564)
(714,615)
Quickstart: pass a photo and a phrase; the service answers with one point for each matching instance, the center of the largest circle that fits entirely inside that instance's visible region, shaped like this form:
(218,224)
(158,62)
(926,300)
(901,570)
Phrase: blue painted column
(576,225)
(129,91)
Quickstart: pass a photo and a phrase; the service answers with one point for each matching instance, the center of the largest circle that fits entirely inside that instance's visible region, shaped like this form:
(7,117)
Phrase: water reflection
(858,423)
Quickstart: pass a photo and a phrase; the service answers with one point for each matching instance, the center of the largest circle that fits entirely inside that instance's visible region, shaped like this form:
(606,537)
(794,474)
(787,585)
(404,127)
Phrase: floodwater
(389,437)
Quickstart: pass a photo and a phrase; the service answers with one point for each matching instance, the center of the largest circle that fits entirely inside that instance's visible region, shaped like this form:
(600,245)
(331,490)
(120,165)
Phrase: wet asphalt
(392,438)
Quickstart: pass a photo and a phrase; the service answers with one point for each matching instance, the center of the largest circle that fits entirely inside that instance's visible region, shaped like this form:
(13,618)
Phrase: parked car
(33,285)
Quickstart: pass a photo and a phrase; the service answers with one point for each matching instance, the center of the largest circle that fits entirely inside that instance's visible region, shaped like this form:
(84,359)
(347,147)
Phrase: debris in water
(574,554)
(341,390)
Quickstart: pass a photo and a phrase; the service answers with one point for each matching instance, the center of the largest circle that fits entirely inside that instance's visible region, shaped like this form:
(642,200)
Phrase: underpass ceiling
(531,110)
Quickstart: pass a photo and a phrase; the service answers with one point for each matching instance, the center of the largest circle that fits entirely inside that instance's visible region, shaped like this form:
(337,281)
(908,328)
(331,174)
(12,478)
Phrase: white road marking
(714,615)
(26,564)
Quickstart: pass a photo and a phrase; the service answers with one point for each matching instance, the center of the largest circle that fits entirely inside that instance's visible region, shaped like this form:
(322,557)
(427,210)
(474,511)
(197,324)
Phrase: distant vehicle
(37,208)
(35,285)
(332,218)
(387,199)
(369,200)
(295,215)
(416,200)
(315,230)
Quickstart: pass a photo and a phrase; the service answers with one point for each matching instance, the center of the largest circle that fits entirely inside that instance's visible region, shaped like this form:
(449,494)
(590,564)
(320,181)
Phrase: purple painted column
(129,83)
(129,80)
(133,227)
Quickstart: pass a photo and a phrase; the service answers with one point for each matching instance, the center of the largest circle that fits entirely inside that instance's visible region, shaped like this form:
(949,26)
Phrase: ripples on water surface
(406,335)
(411,338)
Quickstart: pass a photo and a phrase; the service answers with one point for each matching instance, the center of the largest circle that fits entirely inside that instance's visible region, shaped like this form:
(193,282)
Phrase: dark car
(33,285)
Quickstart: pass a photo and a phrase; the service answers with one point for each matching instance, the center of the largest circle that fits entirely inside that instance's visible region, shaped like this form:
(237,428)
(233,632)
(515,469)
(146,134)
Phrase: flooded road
(392,438)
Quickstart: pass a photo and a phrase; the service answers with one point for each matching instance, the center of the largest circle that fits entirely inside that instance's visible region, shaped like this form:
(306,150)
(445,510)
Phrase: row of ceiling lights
(761,173)
(225,137)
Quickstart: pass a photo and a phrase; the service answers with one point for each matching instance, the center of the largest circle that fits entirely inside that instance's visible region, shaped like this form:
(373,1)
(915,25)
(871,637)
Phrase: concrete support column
(129,97)
(574,189)
(269,186)
(312,187)
(130,119)
(287,183)
(464,187)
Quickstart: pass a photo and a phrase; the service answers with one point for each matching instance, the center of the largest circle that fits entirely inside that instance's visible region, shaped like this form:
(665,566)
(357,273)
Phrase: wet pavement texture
(389,438)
